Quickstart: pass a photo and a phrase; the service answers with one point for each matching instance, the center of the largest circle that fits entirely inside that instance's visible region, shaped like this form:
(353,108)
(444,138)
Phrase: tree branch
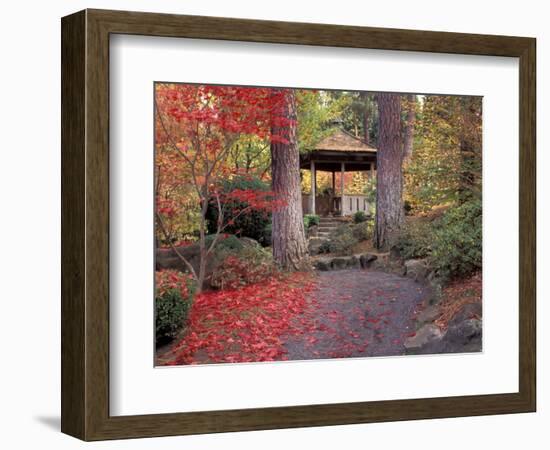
(180,256)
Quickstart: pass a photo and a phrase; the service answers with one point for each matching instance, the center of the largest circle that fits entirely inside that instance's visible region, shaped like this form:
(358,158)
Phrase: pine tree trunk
(389,175)
(409,127)
(288,236)
(366,118)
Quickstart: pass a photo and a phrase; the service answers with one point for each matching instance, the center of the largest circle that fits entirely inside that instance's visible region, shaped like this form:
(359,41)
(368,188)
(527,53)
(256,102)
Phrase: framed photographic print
(270,224)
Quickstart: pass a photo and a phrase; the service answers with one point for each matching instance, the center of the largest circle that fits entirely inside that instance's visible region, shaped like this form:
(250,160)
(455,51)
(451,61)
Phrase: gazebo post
(371,171)
(333,193)
(342,186)
(313,186)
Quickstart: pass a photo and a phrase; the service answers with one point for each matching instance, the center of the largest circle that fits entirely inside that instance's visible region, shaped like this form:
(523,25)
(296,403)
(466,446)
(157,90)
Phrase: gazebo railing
(325,205)
(354,203)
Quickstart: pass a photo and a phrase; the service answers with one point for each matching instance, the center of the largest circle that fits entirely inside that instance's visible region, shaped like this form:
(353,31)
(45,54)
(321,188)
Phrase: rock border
(358,261)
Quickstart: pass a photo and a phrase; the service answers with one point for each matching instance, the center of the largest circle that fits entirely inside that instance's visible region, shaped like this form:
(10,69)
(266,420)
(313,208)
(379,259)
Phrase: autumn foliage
(196,128)
(227,179)
(246,324)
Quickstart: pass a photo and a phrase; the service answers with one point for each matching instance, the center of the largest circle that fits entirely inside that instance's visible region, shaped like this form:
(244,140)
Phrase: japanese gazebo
(338,152)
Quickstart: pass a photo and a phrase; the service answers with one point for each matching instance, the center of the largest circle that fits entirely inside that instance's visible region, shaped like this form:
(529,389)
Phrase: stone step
(317,239)
(326,228)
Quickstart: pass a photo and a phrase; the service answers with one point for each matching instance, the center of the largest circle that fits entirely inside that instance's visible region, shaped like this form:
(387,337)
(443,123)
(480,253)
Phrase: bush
(360,216)
(226,242)
(452,243)
(174,293)
(363,231)
(415,240)
(311,220)
(457,245)
(251,224)
(252,264)
(340,241)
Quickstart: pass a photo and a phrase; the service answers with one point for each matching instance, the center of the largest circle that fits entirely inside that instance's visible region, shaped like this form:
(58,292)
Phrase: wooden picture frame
(85,224)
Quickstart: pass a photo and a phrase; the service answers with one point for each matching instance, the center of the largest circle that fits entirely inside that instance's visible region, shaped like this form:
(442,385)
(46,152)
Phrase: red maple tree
(199,124)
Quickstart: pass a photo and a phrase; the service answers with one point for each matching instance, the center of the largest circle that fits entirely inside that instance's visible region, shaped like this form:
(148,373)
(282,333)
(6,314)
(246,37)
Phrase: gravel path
(358,313)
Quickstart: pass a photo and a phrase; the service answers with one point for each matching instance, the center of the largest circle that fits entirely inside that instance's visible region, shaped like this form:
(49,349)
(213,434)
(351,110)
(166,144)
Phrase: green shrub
(252,264)
(251,224)
(452,243)
(225,242)
(311,220)
(174,293)
(457,244)
(265,240)
(360,216)
(341,240)
(363,231)
(414,240)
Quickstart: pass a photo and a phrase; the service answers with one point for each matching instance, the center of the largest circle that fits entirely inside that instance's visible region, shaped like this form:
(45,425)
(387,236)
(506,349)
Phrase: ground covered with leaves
(359,313)
(245,324)
(456,295)
(349,313)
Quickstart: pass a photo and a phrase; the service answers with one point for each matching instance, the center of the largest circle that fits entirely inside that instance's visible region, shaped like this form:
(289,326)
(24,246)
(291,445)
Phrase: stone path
(358,313)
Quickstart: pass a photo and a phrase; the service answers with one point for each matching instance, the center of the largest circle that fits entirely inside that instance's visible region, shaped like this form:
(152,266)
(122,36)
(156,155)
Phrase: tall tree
(366,117)
(408,137)
(289,242)
(389,175)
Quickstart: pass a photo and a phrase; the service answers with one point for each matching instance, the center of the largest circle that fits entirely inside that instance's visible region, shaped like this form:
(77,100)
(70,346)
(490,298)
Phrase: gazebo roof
(337,148)
(342,141)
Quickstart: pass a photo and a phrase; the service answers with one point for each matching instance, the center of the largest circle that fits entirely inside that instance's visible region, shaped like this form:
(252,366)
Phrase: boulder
(382,262)
(322,264)
(428,315)
(339,263)
(354,262)
(249,242)
(465,335)
(417,269)
(314,245)
(344,262)
(167,258)
(366,260)
(424,338)
(468,311)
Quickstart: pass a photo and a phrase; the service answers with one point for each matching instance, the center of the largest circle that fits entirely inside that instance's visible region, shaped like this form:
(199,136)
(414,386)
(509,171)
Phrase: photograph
(256,226)
(306,224)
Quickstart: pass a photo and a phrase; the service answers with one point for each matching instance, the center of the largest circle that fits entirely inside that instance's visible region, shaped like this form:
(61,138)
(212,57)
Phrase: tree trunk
(366,118)
(389,174)
(288,236)
(202,239)
(409,127)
